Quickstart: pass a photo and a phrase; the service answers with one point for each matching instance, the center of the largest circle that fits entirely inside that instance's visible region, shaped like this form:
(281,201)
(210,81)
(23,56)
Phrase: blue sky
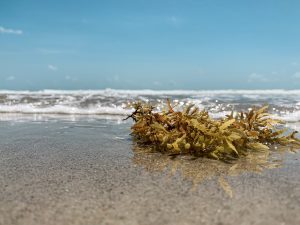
(139,44)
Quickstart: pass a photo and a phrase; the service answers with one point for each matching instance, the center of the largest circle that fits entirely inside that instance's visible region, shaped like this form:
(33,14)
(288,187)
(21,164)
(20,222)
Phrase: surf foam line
(61,109)
(106,110)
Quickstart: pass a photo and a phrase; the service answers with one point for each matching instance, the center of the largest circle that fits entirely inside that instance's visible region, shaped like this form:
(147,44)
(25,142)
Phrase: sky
(149,44)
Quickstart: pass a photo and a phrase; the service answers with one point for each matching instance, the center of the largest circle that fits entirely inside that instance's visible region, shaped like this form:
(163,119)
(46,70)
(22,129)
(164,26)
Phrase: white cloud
(10,31)
(69,78)
(10,78)
(254,77)
(297,75)
(53,68)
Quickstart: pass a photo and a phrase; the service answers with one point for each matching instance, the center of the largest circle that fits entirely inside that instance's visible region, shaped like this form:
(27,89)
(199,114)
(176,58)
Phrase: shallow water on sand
(87,170)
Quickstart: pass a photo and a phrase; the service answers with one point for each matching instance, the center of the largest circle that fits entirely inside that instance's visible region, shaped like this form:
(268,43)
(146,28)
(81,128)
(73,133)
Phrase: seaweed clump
(194,132)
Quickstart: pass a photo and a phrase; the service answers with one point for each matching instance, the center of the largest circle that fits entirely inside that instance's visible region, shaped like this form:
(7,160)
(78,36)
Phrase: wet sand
(89,172)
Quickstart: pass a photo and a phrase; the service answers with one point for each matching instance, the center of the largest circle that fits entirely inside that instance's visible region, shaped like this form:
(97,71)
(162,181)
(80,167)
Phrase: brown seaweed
(194,132)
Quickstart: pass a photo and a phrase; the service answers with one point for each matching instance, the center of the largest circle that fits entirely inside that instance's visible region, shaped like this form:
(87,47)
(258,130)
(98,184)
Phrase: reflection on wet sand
(197,170)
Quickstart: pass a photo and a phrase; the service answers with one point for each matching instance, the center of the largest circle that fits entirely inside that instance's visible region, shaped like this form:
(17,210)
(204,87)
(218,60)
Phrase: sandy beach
(87,86)
(87,171)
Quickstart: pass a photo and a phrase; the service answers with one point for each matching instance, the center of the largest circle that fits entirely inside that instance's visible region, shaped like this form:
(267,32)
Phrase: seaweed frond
(194,132)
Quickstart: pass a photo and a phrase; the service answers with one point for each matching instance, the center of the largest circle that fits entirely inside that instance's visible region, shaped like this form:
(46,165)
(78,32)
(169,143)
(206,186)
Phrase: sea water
(284,104)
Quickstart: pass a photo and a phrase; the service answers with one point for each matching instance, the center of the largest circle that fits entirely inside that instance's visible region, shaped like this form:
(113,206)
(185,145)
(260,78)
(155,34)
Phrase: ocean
(67,157)
(284,104)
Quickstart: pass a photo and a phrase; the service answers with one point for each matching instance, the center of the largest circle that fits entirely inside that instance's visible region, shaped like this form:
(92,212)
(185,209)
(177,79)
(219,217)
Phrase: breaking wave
(284,103)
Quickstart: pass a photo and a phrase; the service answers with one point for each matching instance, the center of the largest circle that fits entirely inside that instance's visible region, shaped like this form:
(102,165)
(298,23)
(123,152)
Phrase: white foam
(110,101)
(291,117)
(61,109)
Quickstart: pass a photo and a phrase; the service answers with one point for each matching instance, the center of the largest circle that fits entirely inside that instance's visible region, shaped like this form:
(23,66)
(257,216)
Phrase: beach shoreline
(87,171)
